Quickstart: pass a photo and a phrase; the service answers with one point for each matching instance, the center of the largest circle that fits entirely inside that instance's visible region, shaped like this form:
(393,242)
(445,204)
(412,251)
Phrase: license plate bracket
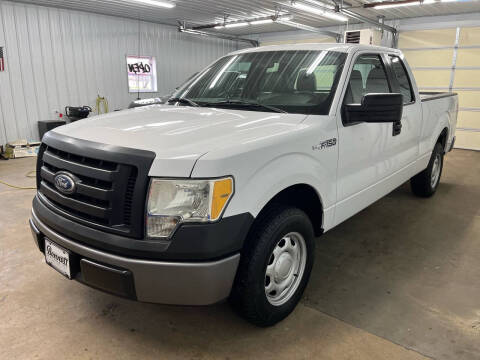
(58,257)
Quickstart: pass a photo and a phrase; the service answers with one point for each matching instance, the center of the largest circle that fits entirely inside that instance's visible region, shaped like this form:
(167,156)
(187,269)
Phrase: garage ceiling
(200,12)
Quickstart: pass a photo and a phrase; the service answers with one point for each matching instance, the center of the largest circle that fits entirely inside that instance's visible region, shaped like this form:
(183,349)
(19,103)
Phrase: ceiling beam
(185,30)
(336,36)
(271,19)
(367,20)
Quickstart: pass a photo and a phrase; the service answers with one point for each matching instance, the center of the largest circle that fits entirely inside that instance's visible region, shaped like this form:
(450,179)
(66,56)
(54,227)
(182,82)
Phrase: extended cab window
(402,78)
(368,76)
(302,82)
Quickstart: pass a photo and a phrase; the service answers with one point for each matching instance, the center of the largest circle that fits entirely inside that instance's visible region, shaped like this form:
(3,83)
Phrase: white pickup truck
(221,192)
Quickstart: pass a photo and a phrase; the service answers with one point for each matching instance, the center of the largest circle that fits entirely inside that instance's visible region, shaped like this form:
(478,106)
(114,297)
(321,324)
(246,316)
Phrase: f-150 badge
(325,144)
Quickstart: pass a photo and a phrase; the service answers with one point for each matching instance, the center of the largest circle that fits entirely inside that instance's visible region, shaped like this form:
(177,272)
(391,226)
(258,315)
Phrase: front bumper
(166,282)
(190,242)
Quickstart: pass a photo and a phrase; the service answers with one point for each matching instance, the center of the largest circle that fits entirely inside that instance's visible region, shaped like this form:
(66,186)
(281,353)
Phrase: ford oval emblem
(65,182)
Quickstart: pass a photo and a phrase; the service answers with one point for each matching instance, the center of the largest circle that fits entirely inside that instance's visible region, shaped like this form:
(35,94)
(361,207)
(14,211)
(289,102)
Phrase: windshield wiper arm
(245,103)
(182,100)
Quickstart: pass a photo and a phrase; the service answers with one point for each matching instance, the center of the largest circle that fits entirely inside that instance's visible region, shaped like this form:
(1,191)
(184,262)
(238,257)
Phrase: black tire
(421,183)
(248,295)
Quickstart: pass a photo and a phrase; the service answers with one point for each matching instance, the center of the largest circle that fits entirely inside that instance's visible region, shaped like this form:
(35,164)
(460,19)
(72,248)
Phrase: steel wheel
(285,268)
(436,167)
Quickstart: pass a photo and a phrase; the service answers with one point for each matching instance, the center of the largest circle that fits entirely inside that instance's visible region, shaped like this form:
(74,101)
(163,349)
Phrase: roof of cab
(317,46)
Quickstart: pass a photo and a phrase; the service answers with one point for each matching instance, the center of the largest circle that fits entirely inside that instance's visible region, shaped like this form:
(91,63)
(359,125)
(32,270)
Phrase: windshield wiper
(182,100)
(246,104)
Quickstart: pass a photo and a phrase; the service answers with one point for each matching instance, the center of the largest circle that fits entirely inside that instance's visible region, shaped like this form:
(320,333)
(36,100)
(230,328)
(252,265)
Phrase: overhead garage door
(449,60)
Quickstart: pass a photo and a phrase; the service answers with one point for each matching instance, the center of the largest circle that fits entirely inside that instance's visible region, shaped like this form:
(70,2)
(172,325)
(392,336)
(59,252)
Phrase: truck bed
(432,95)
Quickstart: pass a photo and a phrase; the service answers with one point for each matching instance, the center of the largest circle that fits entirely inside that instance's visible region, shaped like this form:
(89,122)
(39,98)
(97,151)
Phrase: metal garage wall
(449,60)
(58,57)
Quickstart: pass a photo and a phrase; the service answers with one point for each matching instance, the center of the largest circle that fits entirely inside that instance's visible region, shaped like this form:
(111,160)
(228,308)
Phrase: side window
(403,80)
(368,76)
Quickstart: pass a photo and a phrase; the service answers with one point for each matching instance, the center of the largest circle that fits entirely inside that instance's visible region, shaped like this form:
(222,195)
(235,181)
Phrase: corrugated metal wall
(58,57)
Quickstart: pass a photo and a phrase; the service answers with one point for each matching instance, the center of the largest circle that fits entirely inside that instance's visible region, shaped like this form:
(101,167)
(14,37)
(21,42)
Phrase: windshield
(302,82)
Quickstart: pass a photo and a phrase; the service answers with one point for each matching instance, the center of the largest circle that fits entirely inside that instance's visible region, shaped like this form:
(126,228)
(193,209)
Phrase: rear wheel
(275,266)
(425,183)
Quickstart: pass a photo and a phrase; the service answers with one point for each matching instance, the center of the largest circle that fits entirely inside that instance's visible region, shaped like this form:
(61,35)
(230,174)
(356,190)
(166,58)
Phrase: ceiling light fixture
(318,11)
(238,24)
(321,4)
(385,5)
(164,4)
(261,22)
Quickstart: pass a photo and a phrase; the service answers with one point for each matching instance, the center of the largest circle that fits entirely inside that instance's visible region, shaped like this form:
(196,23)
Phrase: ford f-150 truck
(221,192)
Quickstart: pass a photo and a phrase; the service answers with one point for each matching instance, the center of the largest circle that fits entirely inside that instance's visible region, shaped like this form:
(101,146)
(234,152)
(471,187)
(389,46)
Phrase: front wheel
(275,266)
(425,183)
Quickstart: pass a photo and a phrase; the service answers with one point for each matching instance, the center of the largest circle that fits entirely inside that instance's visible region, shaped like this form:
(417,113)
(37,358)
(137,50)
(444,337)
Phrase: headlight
(171,202)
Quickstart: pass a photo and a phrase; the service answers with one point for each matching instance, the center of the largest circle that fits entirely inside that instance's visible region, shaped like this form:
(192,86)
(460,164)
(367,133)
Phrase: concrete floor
(400,280)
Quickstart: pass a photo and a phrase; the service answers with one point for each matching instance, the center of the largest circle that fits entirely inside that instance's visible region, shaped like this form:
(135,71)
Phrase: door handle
(397,128)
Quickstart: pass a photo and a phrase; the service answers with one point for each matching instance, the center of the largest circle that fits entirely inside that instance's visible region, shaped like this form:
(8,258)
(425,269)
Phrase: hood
(179,135)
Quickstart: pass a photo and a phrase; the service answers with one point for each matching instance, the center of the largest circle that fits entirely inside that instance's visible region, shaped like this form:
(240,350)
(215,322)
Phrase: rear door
(404,147)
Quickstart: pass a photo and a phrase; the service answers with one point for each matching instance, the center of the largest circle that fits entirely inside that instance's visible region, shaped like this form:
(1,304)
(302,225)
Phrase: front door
(366,155)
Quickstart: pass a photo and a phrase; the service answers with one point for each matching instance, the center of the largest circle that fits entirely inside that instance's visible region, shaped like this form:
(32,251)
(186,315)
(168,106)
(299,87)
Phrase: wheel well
(303,197)
(442,139)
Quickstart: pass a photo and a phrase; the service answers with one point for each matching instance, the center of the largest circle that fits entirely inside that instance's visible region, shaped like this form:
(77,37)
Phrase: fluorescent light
(393,5)
(164,4)
(322,4)
(219,27)
(284,18)
(234,25)
(429,1)
(318,11)
(260,22)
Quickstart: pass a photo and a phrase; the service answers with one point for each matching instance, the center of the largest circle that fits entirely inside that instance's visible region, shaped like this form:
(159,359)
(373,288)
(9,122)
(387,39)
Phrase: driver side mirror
(375,108)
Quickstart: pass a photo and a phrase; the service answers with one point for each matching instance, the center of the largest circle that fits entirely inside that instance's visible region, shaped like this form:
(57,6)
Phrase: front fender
(266,166)
(285,171)
(257,181)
